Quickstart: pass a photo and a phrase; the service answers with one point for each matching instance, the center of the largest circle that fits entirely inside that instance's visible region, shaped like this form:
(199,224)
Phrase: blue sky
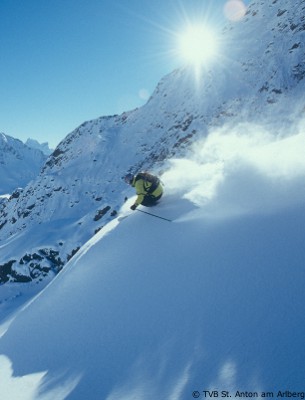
(67,61)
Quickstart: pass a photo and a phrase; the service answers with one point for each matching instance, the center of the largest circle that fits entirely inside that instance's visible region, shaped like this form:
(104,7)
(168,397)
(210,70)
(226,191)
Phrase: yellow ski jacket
(142,189)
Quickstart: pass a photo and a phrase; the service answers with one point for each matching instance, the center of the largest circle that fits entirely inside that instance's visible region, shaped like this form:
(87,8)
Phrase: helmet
(128,178)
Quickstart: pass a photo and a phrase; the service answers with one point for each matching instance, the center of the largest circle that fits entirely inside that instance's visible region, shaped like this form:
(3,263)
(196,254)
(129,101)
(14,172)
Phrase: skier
(148,188)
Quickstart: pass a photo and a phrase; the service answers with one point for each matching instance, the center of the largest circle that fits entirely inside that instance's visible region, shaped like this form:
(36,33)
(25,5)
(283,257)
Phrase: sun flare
(197,45)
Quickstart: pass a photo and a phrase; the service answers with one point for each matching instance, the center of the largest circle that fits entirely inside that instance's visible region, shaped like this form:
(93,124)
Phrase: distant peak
(34,144)
(3,137)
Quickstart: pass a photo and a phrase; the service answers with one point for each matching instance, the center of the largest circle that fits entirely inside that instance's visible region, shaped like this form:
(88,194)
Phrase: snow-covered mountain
(19,164)
(256,84)
(210,305)
(44,147)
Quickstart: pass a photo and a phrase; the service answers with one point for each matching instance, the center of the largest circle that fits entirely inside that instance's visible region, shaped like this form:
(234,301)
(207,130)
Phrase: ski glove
(133,207)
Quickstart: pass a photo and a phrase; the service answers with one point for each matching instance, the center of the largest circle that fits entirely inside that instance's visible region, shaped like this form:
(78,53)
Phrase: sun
(197,45)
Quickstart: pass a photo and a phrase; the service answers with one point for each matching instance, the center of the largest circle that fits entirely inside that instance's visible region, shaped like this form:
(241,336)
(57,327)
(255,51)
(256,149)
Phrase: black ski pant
(150,201)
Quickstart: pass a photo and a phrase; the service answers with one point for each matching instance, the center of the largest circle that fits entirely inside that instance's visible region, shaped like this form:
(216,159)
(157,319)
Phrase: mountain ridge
(19,163)
(257,79)
(44,147)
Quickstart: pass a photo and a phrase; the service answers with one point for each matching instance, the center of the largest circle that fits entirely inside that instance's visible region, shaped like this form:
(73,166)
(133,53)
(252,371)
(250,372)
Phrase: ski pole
(154,215)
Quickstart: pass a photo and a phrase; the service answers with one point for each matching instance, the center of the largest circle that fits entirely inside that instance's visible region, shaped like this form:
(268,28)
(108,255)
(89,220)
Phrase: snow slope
(150,309)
